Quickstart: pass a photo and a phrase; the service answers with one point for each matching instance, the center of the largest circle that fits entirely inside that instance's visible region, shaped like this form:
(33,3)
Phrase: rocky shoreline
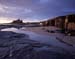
(19,46)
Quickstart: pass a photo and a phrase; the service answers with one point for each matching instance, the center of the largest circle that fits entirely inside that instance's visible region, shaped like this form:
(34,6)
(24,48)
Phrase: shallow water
(51,40)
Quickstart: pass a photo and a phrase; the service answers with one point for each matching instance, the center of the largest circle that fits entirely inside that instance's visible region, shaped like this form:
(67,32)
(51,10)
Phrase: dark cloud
(36,9)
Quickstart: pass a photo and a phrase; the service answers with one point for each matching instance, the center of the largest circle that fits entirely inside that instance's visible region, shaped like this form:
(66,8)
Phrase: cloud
(27,10)
(6,20)
(35,9)
(6,9)
(13,11)
(69,10)
(2,8)
(33,20)
(44,1)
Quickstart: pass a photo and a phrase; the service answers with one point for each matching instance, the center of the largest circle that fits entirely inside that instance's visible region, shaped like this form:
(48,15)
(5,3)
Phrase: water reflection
(51,40)
(10,29)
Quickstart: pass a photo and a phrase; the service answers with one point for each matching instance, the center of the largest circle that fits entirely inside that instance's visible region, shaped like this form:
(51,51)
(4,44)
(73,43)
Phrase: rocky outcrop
(18,21)
(19,46)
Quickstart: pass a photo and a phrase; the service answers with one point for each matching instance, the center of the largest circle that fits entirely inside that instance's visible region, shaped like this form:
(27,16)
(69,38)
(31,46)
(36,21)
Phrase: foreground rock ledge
(19,46)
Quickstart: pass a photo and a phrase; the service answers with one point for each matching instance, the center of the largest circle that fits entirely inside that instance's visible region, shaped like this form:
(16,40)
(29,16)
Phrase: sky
(34,10)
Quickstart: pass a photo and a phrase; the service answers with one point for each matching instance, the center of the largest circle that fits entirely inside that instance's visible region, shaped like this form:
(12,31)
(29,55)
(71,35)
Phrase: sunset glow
(5,20)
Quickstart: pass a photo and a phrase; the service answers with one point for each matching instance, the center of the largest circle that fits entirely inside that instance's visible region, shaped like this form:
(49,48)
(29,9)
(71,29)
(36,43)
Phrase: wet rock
(19,46)
(50,53)
(50,31)
(8,42)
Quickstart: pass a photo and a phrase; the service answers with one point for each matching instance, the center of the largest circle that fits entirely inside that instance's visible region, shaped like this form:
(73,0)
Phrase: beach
(33,43)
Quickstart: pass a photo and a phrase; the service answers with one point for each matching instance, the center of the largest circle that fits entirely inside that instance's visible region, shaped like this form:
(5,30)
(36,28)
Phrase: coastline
(17,46)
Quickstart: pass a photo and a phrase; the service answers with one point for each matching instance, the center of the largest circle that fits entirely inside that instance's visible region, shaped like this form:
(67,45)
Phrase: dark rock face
(19,46)
(18,21)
